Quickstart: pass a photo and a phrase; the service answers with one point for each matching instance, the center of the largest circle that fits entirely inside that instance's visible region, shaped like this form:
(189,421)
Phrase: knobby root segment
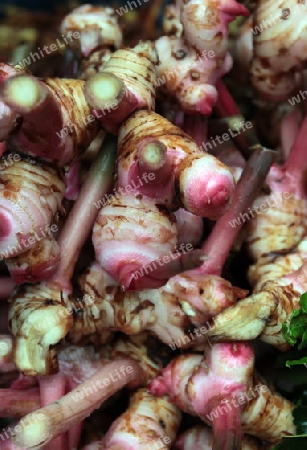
(220,241)
(152,154)
(45,319)
(23,93)
(40,327)
(260,315)
(59,417)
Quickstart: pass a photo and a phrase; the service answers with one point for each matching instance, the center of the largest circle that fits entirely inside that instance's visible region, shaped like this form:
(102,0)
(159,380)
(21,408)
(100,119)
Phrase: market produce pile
(127,185)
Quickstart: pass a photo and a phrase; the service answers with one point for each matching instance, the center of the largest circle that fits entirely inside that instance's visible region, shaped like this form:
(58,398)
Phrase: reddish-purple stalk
(289,129)
(231,423)
(74,435)
(83,214)
(218,245)
(16,403)
(2,148)
(226,108)
(196,126)
(6,287)
(73,181)
(296,162)
(225,105)
(24,382)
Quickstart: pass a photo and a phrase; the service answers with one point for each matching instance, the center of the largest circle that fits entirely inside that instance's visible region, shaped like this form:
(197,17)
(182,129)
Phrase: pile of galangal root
(123,191)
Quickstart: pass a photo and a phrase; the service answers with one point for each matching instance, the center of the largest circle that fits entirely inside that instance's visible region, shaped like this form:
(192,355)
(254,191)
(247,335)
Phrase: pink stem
(73,181)
(219,243)
(60,416)
(2,148)
(178,118)
(52,388)
(18,402)
(297,161)
(83,214)
(226,427)
(74,436)
(24,382)
(196,126)
(289,129)
(6,287)
(226,107)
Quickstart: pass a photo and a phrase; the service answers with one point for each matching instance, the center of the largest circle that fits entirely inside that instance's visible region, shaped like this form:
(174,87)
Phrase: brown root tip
(152,154)
(23,93)
(104,91)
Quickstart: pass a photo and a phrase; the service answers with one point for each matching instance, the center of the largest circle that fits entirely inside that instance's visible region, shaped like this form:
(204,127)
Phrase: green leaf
(303,302)
(303,344)
(298,325)
(286,332)
(292,443)
(295,362)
